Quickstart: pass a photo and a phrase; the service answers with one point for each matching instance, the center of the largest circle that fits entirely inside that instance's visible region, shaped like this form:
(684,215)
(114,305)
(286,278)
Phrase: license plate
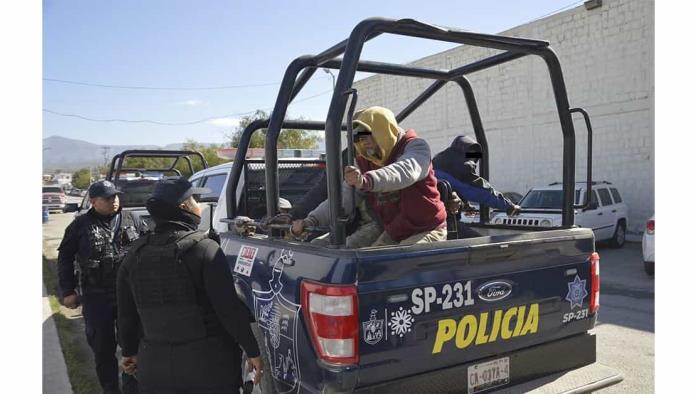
(487,375)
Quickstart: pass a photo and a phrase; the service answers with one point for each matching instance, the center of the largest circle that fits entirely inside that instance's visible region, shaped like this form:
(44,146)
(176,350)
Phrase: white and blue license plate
(484,376)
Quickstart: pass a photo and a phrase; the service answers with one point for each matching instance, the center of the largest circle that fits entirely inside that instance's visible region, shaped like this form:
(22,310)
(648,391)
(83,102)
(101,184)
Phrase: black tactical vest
(105,248)
(164,289)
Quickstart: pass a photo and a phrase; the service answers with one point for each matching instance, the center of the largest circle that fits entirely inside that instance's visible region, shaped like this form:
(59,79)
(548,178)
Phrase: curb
(55,373)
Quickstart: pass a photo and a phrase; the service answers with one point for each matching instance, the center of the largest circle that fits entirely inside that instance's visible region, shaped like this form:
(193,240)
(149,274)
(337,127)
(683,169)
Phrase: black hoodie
(457,165)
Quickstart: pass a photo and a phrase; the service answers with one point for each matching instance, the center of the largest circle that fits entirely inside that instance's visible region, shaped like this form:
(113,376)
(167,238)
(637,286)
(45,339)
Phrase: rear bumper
(649,248)
(538,362)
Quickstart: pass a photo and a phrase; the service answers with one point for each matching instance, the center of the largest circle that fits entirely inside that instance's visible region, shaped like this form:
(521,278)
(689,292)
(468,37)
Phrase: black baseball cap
(103,189)
(176,191)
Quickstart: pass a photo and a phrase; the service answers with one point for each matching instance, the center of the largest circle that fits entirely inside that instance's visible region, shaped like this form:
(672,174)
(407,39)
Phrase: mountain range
(69,154)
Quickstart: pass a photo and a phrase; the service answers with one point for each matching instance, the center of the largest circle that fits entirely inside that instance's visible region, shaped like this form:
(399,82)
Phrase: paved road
(626,322)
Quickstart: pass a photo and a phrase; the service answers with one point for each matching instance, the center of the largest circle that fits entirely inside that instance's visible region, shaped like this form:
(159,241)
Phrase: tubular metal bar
(301,81)
(413,28)
(242,148)
(350,146)
(238,164)
(121,158)
(392,69)
(188,160)
(159,153)
(320,58)
(561,95)
(486,63)
(110,173)
(418,101)
(470,99)
(369,28)
(477,124)
(150,169)
(588,124)
(407,27)
(344,81)
(274,125)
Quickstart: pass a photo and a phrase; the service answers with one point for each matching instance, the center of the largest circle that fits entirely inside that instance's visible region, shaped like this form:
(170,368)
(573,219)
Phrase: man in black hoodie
(96,242)
(457,165)
(175,285)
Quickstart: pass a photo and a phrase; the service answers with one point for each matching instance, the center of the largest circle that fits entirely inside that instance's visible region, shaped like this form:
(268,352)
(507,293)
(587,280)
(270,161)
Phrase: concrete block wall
(607,57)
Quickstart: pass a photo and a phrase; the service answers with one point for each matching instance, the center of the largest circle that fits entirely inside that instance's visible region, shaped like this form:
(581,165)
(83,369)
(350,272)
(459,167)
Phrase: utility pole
(333,77)
(105,152)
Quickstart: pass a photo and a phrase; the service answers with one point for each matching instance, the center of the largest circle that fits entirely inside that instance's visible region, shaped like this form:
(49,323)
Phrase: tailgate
(423,310)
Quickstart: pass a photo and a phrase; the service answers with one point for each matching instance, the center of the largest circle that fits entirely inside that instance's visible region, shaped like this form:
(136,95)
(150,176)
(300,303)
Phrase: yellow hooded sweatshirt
(381,122)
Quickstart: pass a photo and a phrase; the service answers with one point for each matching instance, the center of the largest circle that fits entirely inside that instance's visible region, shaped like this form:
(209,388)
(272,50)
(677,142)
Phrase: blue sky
(201,44)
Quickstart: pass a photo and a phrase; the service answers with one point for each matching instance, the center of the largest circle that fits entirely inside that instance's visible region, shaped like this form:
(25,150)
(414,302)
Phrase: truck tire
(266,386)
(649,267)
(619,238)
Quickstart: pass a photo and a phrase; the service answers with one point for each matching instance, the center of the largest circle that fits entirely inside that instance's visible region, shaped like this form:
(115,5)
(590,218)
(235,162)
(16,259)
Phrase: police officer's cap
(176,191)
(103,189)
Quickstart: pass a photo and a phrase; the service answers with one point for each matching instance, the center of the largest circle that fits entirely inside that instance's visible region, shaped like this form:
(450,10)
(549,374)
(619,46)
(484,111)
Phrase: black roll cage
(302,68)
(117,161)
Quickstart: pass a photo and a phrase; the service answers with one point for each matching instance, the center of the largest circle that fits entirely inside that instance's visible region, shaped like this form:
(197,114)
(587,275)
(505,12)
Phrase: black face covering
(466,145)
(163,212)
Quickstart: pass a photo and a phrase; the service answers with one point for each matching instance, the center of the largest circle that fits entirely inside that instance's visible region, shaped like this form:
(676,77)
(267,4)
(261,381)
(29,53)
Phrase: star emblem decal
(576,292)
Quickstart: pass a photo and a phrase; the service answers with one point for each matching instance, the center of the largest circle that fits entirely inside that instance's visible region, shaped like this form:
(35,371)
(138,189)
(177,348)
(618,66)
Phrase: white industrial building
(608,61)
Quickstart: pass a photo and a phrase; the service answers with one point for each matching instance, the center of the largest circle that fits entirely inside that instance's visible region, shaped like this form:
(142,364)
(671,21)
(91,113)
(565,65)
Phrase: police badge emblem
(576,292)
(278,317)
(373,329)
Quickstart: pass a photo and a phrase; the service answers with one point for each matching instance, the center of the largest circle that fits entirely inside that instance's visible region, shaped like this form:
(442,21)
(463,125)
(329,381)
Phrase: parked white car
(473,215)
(606,215)
(649,246)
(215,179)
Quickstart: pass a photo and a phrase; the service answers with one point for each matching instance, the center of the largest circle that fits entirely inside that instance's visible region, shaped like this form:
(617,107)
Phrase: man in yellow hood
(395,177)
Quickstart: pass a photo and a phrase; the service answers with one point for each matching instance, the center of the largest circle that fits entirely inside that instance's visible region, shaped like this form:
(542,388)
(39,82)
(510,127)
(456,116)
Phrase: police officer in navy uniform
(176,284)
(89,256)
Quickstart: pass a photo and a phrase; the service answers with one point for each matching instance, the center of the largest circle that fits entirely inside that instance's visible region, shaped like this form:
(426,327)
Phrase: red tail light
(331,313)
(594,274)
(650,226)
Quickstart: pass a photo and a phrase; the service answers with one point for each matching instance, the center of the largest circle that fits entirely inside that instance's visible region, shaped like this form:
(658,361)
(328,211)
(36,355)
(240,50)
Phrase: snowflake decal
(401,322)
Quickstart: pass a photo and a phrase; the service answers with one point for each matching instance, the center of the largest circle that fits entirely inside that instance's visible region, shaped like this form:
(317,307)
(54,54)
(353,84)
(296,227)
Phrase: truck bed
(425,309)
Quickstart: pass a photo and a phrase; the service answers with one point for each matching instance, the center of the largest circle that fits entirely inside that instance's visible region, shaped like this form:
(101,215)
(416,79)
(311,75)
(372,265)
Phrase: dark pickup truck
(136,172)
(510,309)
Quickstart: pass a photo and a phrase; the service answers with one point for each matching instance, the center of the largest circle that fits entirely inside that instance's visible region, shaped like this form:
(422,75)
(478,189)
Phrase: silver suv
(606,215)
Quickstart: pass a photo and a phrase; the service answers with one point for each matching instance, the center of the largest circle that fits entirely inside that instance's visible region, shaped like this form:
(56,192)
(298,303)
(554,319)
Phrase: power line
(161,123)
(156,122)
(556,11)
(134,87)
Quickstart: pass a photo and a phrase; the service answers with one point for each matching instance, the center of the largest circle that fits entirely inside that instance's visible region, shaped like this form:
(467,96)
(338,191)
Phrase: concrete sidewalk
(55,373)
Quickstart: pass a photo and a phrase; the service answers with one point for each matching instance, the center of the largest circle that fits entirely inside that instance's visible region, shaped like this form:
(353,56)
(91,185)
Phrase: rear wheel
(649,267)
(619,238)
(266,386)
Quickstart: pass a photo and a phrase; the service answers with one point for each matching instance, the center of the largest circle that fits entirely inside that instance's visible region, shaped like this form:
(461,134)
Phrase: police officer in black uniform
(88,260)
(176,284)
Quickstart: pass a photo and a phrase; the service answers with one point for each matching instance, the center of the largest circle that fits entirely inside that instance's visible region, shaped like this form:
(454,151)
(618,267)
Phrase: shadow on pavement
(627,293)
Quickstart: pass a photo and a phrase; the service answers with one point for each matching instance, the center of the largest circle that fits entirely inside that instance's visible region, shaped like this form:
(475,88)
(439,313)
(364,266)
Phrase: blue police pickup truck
(509,309)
